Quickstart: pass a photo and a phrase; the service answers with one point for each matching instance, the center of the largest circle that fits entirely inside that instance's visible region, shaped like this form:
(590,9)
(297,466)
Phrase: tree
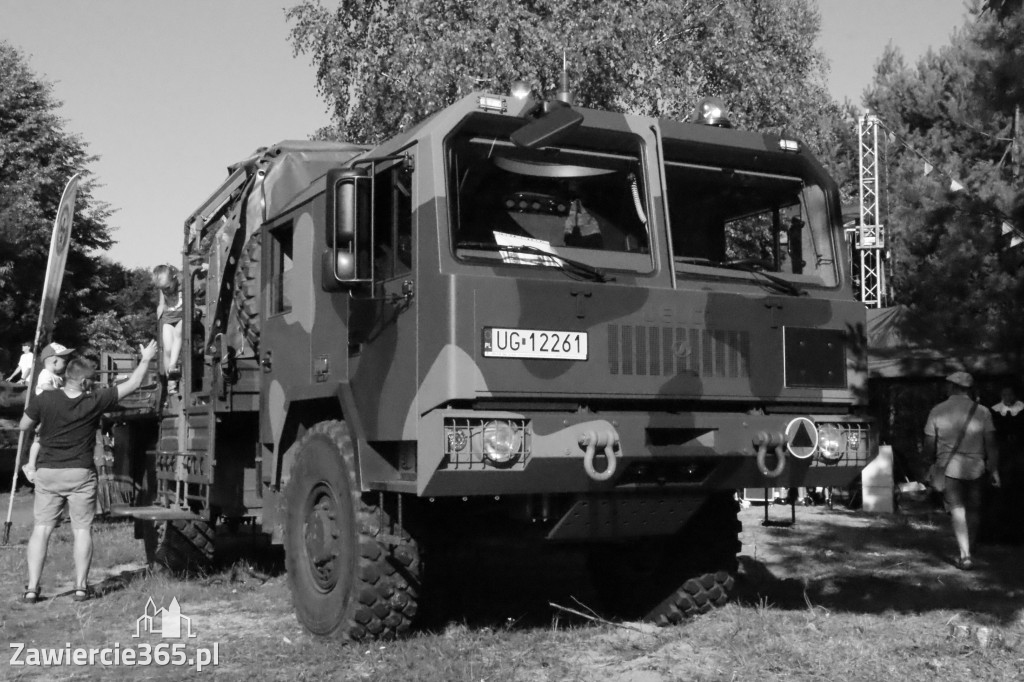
(37,157)
(126,310)
(384,65)
(952,266)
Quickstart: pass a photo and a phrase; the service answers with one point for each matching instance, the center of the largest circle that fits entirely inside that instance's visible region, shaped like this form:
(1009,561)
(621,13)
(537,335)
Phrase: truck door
(288,308)
(383,326)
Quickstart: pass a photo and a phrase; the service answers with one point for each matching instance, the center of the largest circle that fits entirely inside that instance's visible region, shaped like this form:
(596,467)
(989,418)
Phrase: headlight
(830,442)
(501,441)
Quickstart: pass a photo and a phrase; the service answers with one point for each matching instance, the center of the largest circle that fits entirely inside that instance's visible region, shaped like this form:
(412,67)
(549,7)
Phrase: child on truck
(51,377)
(168,314)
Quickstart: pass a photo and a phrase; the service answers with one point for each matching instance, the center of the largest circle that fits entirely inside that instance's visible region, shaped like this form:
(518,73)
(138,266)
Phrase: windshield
(584,200)
(733,220)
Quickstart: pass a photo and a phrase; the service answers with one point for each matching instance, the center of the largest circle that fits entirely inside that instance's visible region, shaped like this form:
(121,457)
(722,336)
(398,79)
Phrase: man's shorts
(75,487)
(961,493)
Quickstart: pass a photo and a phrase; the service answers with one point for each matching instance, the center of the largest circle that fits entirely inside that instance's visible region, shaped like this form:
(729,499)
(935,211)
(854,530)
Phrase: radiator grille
(649,350)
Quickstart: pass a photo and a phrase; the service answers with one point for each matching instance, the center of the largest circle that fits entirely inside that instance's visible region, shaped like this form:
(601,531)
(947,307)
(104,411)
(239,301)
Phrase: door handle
(267,362)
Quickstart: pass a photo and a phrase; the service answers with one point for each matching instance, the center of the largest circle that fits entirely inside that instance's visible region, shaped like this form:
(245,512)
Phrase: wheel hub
(321,536)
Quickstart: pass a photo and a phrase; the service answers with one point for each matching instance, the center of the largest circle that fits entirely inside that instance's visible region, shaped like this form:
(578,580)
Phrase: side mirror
(349,229)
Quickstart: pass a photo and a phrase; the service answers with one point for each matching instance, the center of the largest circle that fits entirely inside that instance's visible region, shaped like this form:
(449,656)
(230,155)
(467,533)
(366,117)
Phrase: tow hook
(777,442)
(590,441)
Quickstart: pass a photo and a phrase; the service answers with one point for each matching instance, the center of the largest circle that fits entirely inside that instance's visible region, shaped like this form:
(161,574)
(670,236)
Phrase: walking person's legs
(963,500)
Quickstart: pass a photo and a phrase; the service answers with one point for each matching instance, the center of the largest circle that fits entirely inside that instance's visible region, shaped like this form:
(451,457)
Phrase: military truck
(520,320)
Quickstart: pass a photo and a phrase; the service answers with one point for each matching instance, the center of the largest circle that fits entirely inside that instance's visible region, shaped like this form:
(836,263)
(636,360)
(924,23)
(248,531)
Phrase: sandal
(964,563)
(31,595)
(83,593)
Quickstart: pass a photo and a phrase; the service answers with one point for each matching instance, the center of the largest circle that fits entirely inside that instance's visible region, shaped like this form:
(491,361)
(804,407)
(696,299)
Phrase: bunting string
(1006,227)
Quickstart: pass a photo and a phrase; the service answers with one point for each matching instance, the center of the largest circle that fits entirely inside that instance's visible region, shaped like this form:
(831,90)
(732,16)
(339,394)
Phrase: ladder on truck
(183,464)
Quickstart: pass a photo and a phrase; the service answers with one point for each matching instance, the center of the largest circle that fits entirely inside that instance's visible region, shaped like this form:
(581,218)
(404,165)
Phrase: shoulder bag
(937,472)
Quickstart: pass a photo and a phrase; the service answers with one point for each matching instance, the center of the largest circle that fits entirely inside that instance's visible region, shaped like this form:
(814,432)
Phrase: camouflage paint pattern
(696,363)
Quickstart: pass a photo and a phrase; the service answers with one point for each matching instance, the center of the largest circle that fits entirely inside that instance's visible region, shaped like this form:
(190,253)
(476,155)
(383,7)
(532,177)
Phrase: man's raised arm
(135,380)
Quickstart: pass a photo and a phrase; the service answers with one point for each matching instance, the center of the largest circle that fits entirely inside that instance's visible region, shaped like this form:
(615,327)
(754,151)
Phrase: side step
(154,513)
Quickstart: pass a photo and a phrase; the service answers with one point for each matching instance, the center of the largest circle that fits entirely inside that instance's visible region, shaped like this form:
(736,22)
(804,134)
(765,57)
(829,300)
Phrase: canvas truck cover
(264,183)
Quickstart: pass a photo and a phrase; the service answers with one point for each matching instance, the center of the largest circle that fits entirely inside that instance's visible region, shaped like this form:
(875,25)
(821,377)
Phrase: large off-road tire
(247,290)
(346,582)
(665,580)
(180,546)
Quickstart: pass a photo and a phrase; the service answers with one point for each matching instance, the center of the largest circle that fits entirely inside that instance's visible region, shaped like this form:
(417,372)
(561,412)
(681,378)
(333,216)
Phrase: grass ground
(839,596)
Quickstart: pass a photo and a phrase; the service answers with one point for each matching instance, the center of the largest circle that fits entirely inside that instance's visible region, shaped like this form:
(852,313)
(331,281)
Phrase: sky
(168,94)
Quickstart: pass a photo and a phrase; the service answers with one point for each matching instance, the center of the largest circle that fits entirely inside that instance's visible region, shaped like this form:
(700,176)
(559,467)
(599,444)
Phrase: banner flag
(928,168)
(60,243)
(1007,227)
(955,186)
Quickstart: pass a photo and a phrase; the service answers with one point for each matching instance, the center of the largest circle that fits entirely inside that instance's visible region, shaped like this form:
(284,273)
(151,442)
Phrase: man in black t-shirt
(64,472)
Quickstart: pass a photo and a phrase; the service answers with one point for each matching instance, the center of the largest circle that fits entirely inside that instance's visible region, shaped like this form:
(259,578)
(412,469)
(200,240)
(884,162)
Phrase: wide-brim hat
(55,349)
(962,379)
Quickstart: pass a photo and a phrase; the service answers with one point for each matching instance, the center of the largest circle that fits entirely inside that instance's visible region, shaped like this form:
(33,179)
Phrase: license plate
(540,344)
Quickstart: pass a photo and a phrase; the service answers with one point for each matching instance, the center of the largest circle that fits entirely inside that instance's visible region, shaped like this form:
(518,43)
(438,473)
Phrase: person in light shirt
(24,369)
(966,466)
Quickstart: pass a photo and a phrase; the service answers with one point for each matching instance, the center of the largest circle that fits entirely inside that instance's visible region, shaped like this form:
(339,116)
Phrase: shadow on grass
(900,564)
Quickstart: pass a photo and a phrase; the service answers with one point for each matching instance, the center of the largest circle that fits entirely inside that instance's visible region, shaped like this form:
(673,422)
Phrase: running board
(155,513)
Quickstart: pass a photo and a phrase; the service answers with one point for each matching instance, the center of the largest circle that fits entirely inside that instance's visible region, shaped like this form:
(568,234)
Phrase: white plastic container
(877,482)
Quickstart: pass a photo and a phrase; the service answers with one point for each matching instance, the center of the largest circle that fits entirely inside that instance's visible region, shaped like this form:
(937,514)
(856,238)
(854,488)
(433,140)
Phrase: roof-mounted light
(520,89)
(492,103)
(711,111)
(789,145)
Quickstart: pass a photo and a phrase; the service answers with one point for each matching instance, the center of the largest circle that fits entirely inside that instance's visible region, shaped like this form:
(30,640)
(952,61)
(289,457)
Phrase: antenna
(564,94)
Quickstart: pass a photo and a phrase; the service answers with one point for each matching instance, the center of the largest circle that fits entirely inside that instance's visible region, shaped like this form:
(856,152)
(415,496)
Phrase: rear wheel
(180,546)
(665,580)
(345,581)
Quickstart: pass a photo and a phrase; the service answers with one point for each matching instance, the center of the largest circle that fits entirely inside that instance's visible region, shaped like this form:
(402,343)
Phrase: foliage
(962,282)
(384,65)
(128,311)
(1001,61)
(37,157)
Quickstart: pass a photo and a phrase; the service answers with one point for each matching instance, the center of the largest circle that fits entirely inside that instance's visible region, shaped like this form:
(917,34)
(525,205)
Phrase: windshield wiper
(569,266)
(754,268)
(776,283)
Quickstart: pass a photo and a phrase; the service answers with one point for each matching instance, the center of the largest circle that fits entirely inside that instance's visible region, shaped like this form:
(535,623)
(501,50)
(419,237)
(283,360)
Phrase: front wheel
(345,580)
(665,580)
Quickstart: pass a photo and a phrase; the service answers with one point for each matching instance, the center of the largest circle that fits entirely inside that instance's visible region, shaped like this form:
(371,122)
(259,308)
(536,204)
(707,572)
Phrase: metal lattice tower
(870,233)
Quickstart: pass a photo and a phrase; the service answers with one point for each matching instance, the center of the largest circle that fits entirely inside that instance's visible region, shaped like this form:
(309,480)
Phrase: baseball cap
(961,379)
(55,349)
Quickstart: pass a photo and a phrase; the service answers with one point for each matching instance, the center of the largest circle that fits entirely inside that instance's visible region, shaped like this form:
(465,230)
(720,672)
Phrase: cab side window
(281,264)
(393,222)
